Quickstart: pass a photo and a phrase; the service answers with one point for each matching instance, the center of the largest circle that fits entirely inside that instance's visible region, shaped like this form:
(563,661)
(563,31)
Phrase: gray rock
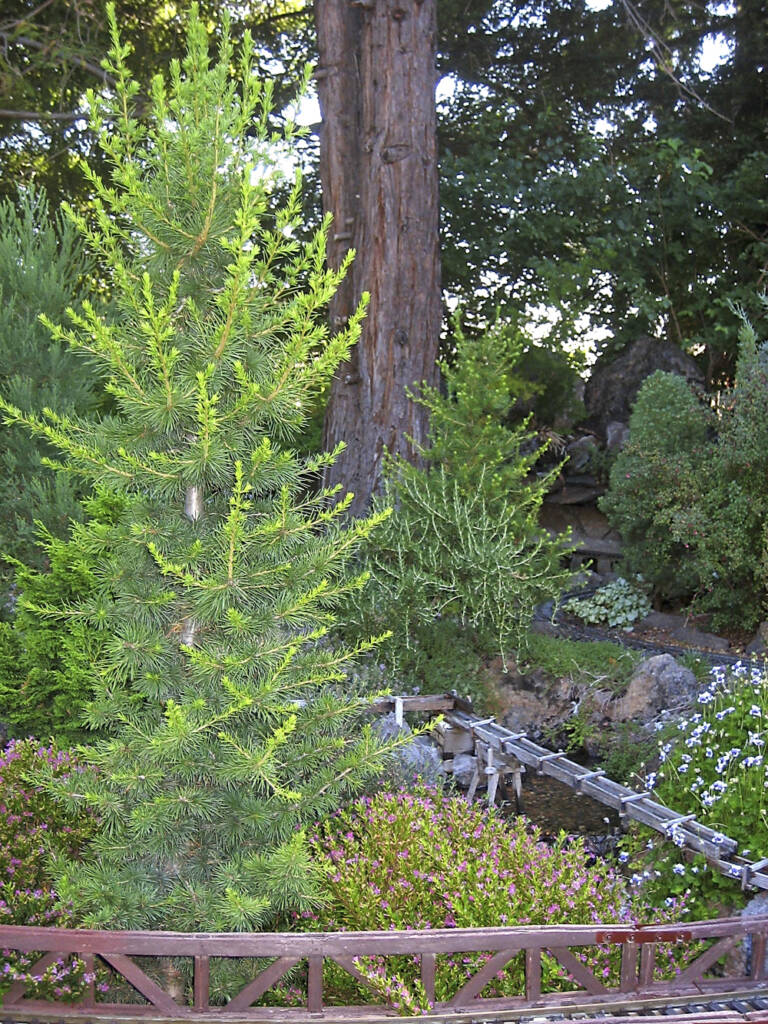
(680,629)
(387,728)
(580,452)
(533,702)
(421,759)
(757,907)
(464,766)
(417,758)
(615,380)
(759,643)
(616,435)
(696,638)
(658,684)
(661,620)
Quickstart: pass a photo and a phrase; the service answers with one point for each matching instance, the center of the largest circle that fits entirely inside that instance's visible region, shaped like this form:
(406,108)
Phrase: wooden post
(428,975)
(532,974)
(89,963)
(202,982)
(399,712)
(757,970)
(473,785)
(647,964)
(315,985)
(492,775)
(629,976)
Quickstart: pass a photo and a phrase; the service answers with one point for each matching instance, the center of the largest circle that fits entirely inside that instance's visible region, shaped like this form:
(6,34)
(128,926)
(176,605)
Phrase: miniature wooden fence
(500,751)
(637,948)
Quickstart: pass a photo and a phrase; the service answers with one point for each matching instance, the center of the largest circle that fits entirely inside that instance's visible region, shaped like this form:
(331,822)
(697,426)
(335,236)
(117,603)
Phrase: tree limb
(42,115)
(65,58)
(664,56)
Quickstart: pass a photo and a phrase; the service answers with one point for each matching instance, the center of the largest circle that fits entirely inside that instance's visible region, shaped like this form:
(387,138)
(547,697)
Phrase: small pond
(555,807)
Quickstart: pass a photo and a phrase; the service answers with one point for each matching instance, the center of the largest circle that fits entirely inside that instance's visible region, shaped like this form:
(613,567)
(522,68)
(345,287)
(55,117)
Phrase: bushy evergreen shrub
(464,548)
(654,476)
(46,655)
(215,589)
(42,268)
(726,528)
(688,493)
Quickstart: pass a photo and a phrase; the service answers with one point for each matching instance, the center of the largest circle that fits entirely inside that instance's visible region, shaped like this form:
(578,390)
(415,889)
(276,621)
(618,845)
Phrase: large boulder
(759,643)
(658,684)
(464,768)
(757,907)
(614,382)
(532,702)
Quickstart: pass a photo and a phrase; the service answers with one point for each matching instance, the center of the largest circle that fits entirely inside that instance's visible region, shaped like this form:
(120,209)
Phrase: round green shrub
(655,476)
(688,493)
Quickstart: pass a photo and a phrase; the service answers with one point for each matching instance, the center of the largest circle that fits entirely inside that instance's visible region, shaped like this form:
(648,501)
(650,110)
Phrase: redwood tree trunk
(378,168)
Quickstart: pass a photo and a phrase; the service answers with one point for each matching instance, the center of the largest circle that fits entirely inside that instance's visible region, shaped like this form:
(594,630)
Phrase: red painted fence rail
(638,948)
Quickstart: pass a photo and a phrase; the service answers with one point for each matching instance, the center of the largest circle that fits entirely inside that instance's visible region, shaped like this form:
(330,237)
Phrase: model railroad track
(727,1009)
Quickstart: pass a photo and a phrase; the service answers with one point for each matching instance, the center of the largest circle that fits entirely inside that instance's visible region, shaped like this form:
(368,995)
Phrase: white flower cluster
(719,757)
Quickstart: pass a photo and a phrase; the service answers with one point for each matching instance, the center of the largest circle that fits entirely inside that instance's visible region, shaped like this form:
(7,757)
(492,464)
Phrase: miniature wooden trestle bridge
(501,752)
(724,979)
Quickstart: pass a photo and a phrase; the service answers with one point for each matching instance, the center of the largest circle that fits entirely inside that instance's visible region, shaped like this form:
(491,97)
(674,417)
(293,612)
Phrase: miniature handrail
(638,948)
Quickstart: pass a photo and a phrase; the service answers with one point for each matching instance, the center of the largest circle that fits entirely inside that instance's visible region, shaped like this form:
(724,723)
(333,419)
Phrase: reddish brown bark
(378,167)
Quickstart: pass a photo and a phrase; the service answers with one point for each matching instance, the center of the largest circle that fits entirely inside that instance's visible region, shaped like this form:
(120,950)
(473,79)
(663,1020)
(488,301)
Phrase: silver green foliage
(618,603)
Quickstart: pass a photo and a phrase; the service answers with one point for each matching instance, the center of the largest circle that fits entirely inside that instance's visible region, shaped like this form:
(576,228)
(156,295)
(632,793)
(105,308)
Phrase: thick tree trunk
(378,167)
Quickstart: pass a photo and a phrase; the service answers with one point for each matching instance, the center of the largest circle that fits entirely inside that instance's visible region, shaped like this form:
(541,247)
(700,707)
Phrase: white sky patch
(715,50)
(446,87)
(309,110)
(603,127)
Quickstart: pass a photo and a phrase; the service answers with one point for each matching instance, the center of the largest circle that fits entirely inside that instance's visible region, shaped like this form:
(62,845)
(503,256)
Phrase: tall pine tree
(216,588)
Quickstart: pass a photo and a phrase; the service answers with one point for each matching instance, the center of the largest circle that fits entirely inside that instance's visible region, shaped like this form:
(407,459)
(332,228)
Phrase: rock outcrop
(541,706)
(658,684)
(612,387)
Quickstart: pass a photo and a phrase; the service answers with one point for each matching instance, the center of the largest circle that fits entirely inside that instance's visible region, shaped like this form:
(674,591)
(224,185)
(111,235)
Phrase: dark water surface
(554,807)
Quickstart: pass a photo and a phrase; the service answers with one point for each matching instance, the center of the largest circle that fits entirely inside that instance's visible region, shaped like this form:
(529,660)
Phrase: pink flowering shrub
(33,829)
(426,860)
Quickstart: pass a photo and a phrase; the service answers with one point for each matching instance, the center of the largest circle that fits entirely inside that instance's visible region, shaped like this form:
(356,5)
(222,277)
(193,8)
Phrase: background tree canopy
(595,170)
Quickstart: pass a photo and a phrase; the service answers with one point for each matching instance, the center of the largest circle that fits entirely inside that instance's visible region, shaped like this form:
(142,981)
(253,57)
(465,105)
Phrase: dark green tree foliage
(462,564)
(50,54)
(46,673)
(649,224)
(216,589)
(41,271)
